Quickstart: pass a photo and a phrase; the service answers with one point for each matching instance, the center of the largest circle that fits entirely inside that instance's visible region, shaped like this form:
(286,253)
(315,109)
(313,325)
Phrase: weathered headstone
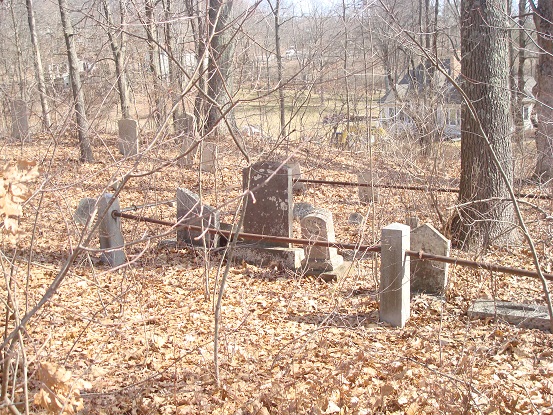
(111,238)
(319,260)
(188,151)
(394,275)
(191,211)
(367,194)
(128,137)
(301,209)
(208,160)
(185,125)
(20,119)
(429,276)
(269,212)
(85,210)
(355,218)
(531,316)
(412,220)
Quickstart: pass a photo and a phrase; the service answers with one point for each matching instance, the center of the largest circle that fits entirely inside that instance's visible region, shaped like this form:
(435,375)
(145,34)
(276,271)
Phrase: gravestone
(429,276)
(111,238)
(189,155)
(269,212)
(20,119)
(185,125)
(367,194)
(394,275)
(412,220)
(191,211)
(85,210)
(128,137)
(321,260)
(301,209)
(530,316)
(208,159)
(355,218)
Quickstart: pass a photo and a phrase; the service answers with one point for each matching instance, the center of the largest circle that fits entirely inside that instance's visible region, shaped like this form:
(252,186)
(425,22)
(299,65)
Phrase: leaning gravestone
(128,137)
(323,261)
(269,212)
(20,119)
(191,211)
(208,159)
(429,276)
(85,210)
(367,194)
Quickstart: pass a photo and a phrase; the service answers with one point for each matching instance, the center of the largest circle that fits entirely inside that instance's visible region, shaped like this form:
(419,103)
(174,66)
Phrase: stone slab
(329,276)
(297,187)
(367,194)
(430,277)
(191,211)
(85,210)
(208,157)
(189,155)
(530,316)
(128,137)
(281,257)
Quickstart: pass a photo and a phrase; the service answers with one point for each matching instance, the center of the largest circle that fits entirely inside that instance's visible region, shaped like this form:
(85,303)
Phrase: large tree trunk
(543,18)
(82,122)
(485,66)
(219,85)
(39,71)
(118,51)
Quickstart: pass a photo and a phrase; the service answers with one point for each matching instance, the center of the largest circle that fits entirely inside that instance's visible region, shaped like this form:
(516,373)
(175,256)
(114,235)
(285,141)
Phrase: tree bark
(39,71)
(118,51)
(80,114)
(485,66)
(543,19)
(219,85)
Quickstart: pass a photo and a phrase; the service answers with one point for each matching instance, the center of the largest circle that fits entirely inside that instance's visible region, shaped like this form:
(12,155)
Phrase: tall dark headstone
(269,209)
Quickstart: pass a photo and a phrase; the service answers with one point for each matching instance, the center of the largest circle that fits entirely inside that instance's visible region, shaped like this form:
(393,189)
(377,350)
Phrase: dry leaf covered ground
(140,340)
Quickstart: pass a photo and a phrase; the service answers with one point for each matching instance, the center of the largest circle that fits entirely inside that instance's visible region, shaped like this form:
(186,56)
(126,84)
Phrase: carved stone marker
(128,137)
(355,218)
(189,154)
(191,211)
(20,119)
(185,127)
(318,225)
(412,220)
(111,238)
(297,187)
(85,210)
(531,316)
(429,276)
(269,212)
(208,161)
(367,194)
(394,275)
(301,209)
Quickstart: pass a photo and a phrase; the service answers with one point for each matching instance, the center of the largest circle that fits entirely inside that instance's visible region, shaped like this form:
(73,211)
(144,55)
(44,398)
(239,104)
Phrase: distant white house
(425,95)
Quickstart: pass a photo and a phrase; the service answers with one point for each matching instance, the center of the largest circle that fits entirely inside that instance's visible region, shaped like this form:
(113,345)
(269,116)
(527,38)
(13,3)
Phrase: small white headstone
(128,137)
(318,225)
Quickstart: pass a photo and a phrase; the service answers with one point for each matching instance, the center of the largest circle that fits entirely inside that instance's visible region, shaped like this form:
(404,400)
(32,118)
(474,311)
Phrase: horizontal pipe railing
(408,187)
(340,245)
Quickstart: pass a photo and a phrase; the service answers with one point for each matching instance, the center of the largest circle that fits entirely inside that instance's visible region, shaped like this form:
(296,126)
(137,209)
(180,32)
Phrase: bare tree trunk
(19,53)
(278,52)
(118,51)
(219,85)
(39,71)
(82,122)
(485,66)
(543,19)
(153,51)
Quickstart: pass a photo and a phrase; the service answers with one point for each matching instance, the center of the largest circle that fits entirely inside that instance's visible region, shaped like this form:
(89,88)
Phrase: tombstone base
(288,258)
(323,265)
(531,316)
(328,275)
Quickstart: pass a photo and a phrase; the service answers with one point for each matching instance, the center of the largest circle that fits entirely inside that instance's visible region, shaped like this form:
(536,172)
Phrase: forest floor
(139,340)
